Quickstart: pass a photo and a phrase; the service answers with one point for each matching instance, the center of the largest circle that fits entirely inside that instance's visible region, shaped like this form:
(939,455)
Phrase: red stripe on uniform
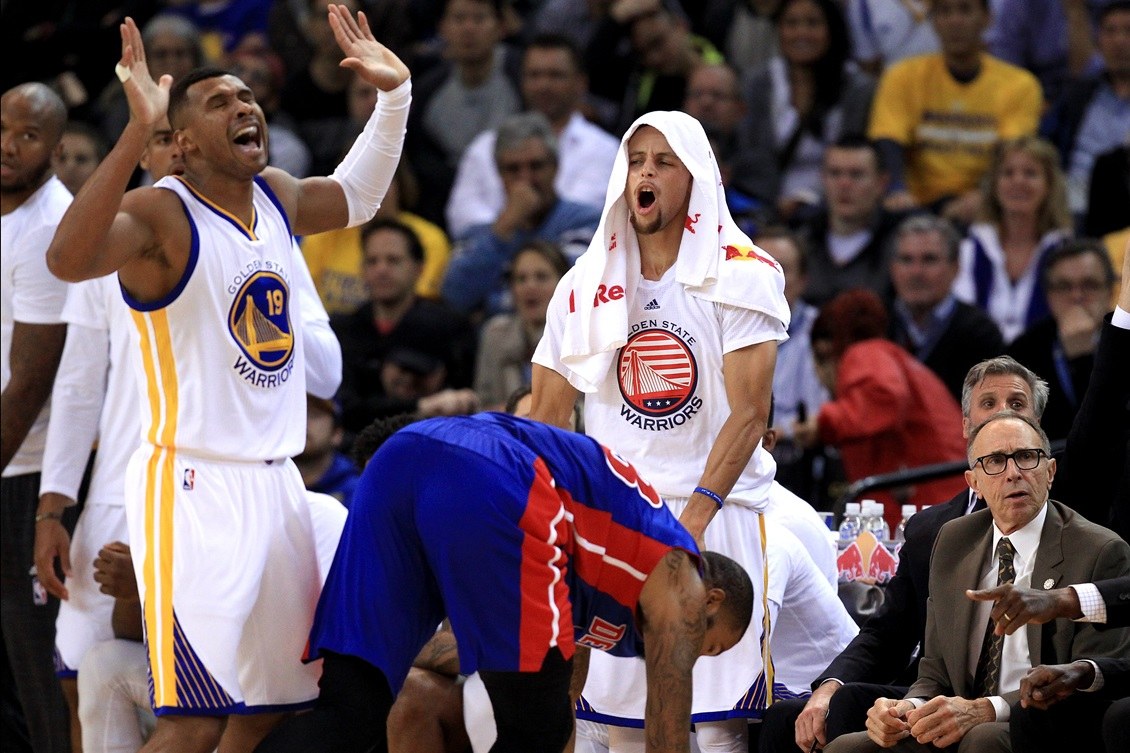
(622,544)
(546,616)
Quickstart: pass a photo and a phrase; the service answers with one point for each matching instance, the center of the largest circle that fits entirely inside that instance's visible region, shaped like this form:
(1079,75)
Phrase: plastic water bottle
(900,532)
(849,526)
(880,527)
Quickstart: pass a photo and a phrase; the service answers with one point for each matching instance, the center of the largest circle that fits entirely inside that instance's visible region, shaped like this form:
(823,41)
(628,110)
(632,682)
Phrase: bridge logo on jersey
(657,372)
(259,322)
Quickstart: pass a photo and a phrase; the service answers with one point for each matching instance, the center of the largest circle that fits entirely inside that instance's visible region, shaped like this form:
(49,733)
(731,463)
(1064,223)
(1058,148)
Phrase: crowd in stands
(942,182)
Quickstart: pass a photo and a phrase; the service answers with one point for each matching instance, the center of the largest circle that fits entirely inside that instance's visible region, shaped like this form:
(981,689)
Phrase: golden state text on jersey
(657,373)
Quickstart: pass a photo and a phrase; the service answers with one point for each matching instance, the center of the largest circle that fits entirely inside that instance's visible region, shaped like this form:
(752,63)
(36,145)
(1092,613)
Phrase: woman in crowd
(888,411)
(507,342)
(1023,215)
(812,95)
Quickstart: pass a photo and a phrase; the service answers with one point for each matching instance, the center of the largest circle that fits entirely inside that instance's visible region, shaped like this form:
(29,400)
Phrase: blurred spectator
(1109,194)
(796,386)
(172,46)
(473,90)
(263,72)
(554,84)
(797,391)
(575,19)
(611,52)
(324,467)
(800,102)
(1050,38)
(336,258)
(1079,280)
(507,342)
(1023,215)
(743,30)
(888,411)
(315,97)
(525,152)
(1093,114)
(436,344)
(942,332)
(847,239)
(665,53)
(715,99)
(80,150)
(389,20)
(937,117)
(887,31)
(227,26)
(54,40)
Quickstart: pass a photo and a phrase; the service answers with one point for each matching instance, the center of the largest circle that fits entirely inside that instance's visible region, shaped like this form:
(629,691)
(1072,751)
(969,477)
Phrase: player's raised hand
(148,99)
(364,55)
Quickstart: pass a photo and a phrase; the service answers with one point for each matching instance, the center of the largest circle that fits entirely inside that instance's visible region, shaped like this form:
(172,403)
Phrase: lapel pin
(1048,584)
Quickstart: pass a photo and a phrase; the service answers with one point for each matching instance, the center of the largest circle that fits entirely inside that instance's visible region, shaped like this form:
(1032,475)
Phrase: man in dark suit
(969,676)
(885,650)
(947,335)
(1050,709)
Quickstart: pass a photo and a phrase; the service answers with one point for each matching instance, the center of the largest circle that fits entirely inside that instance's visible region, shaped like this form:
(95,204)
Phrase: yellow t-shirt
(948,128)
(334,259)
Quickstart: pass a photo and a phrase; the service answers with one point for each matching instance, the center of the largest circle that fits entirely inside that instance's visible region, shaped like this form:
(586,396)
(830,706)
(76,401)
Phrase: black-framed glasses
(1025,460)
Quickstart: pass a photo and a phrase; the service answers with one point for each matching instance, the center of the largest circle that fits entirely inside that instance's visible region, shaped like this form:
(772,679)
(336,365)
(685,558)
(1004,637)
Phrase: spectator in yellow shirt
(938,117)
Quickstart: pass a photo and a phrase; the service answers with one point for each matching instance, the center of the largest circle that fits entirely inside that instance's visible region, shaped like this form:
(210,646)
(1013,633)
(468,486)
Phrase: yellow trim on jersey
(157,569)
(766,621)
(220,210)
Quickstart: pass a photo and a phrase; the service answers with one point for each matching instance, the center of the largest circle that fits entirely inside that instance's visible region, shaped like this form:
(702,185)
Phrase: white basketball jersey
(663,402)
(219,360)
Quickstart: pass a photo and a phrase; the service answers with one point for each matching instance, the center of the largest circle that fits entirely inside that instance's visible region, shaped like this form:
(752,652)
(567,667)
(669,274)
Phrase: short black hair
(1115,7)
(550,41)
(719,571)
(178,95)
(366,444)
(1069,249)
(498,6)
(783,233)
(415,247)
(859,141)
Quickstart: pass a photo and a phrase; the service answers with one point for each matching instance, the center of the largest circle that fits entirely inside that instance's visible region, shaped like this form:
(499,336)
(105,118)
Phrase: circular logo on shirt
(260,321)
(656,372)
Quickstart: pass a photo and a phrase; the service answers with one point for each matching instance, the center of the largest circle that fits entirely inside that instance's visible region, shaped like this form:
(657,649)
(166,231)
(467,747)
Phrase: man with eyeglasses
(1079,280)
(969,676)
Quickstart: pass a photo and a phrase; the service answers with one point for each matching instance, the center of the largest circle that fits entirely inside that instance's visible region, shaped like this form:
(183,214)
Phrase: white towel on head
(716,262)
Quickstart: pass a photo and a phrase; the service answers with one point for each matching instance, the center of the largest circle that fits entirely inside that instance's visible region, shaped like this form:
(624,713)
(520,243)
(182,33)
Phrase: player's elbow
(63,265)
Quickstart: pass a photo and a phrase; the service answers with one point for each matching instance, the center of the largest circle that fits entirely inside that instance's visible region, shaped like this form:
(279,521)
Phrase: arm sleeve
(321,348)
(963,289)
(76,406)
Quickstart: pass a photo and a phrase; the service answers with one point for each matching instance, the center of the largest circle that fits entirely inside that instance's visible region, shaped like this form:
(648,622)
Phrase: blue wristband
(707,493)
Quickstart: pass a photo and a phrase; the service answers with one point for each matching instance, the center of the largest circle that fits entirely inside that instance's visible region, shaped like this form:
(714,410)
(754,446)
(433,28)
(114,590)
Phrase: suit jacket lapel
(1047,571)
(966,574)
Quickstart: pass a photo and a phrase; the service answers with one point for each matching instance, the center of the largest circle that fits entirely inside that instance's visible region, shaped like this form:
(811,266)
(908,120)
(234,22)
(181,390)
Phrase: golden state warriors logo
(260,321)
(657,374)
